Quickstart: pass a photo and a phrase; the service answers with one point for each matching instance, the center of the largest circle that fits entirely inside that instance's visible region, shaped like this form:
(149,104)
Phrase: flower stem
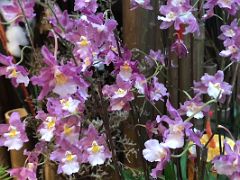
(105,118)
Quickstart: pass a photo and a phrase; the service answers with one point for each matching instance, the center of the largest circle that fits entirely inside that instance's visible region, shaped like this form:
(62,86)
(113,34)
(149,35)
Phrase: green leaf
(4,174)
(169,171)
(183,162)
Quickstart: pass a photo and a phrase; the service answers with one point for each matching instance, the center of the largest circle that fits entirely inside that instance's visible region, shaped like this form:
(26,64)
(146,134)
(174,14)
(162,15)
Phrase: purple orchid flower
(228,164)
(193,106)
(157,91)
(140,3)
(214,86)
(24,173)
(13,135)
(13,11)
(177,129)
(178,13)
(157,56)
(229,31)
(95,147)
(68,157)
(232,6)
(86,6)
(156,152)
(119,94)
(18,74)
(231,35)
(179,48)
(62,80)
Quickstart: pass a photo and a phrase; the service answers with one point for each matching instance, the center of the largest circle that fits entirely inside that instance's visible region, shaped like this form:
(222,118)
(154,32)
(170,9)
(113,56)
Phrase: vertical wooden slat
(198,53)
(138,32)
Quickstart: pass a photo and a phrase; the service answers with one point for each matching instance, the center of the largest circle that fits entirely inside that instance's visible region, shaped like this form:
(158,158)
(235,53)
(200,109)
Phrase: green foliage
(130,175)
(4,175)
(183,162)
(169,171)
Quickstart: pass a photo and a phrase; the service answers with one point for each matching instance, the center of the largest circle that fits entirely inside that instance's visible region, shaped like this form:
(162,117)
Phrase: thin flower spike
(18,74)
(156,152)
(13,135)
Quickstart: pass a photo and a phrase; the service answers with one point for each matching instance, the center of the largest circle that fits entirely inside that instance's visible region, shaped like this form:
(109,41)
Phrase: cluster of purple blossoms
(231,35)
(178,13)
(229,164)
(128,78)
(173,130)
(232,6)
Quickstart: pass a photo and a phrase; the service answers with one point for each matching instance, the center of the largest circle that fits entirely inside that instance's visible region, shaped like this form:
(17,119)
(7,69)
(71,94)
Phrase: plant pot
(17,157)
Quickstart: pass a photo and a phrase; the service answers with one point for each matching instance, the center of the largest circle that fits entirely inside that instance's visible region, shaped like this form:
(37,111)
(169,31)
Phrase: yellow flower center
(126,67)
(83,41)
(218,86)
(69,156)
(60,78)
(120,91)
(67,130)
(87,61)
(14,73)
(50,122)
(12,133)
(171,15)
(95,147)
(65,103)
